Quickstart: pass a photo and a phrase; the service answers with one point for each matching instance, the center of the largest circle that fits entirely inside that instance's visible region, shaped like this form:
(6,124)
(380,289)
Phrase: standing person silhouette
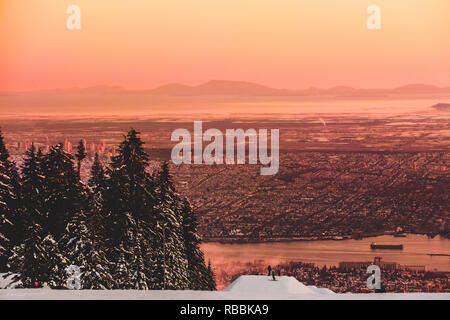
(269,270)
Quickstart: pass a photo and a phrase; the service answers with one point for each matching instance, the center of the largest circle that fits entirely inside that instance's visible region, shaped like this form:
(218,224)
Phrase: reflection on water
(415,251)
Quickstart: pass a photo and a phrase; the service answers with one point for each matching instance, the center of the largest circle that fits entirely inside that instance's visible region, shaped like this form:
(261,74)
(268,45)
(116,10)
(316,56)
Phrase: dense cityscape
(322,195)
(357,179)
(347,178)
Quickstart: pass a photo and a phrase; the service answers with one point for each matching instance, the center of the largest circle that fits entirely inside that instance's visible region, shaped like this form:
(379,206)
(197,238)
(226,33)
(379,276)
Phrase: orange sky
(281,43)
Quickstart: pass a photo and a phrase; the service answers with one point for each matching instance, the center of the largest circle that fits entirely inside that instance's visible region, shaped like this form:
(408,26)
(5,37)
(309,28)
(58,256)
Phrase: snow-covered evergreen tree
(6,226)
(97,184)
(5,243)
(65,195)
(9,198)
(97,270)
(55,264)
(170,230)
(199,277)
(15,260)
(138,276)
(38,261)
(128,251)
(74,240)
(82,248)
(127,206)
(121,275)
(145,224)
(33,189)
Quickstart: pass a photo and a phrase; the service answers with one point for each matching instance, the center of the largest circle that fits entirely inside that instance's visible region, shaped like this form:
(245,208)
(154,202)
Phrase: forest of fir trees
(124,229)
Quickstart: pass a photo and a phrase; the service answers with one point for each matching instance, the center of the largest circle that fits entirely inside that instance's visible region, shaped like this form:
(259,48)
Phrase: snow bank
(244,288)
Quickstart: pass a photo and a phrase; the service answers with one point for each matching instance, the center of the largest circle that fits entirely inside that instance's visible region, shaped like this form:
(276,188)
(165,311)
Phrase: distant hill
(221,87)
(241,88)
(442,107)
(420,88)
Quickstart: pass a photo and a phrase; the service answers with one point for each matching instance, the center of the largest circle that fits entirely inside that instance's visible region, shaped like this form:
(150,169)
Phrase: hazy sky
(281,43)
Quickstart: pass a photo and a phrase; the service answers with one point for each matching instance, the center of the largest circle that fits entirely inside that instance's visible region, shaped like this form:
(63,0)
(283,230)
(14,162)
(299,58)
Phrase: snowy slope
(244,288)
(283,285)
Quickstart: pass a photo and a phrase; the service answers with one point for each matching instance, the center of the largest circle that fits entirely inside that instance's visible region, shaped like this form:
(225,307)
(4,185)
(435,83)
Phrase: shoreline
(313,238)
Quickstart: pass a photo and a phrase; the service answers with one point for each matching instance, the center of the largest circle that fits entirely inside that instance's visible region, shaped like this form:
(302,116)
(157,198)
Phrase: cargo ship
(375,246)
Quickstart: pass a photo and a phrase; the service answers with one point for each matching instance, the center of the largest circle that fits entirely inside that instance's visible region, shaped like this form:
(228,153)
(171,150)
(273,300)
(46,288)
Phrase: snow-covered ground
(244,288)
(264,284)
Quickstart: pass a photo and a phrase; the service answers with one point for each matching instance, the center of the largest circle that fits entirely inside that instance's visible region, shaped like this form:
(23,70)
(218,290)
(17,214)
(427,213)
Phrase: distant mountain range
(242,88)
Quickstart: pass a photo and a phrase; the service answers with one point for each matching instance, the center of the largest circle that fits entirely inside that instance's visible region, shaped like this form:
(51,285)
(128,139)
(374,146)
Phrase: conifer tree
(65,195)
(84,249)
(33,188)
(128,253)
(97,181)
(145,237)
(127,208)
(74,240)
(98,184)
(39,262)
(121,275)
(127,190)
(10,169)
(211,278)
(55,264)
(199,277)
(9,196)
(96,271)
(15,260)
(138,276)
(5,243)
(80,155)
(4,153)
(170,229)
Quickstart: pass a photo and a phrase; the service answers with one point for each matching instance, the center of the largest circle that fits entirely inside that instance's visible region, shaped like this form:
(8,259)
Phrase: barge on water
(375,246)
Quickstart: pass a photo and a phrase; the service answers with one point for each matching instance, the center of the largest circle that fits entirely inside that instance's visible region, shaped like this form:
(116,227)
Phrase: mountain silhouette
(242,88)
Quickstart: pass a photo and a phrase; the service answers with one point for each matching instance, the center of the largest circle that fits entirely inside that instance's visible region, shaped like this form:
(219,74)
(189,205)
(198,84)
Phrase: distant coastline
(312,238)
